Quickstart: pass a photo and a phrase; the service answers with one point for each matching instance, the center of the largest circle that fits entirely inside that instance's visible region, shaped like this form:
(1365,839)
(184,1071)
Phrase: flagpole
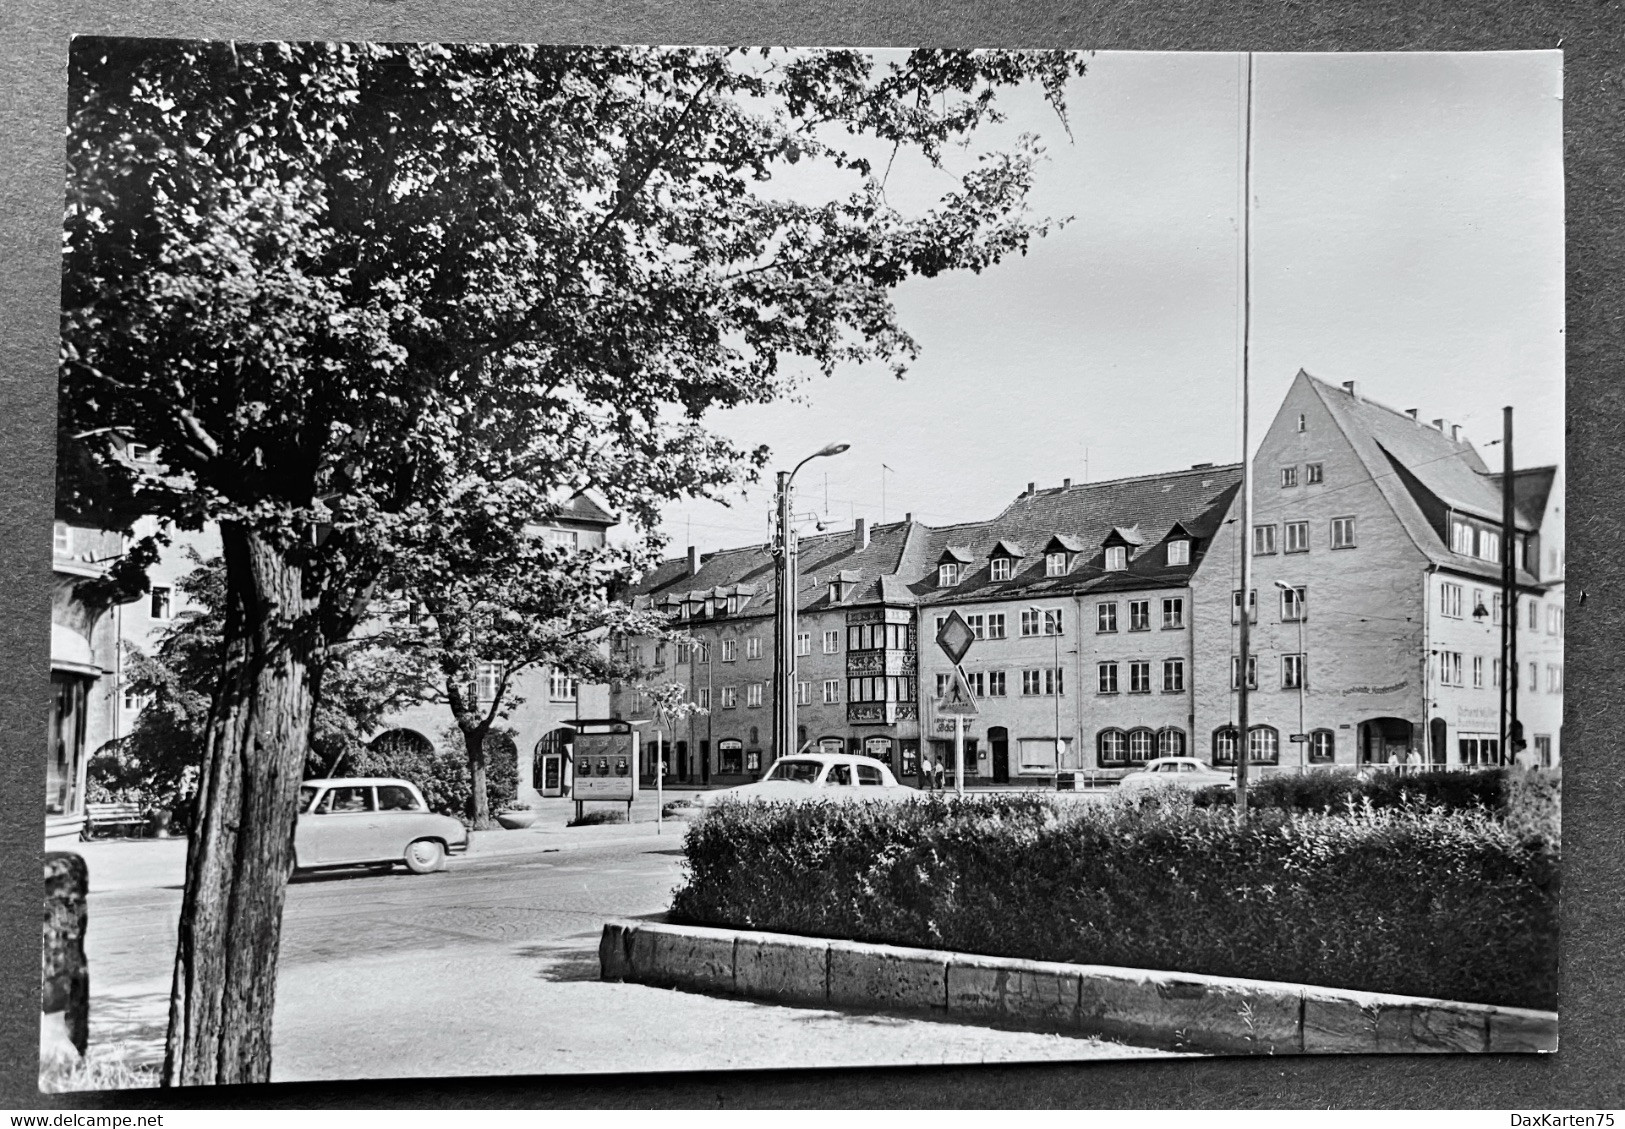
(1244,534)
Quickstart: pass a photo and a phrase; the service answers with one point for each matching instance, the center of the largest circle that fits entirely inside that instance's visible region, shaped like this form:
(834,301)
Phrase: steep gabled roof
(1064,543)
(1417,467)
(581,508)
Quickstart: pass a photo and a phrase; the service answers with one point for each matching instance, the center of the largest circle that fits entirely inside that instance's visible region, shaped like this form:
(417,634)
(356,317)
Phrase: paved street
(491,967)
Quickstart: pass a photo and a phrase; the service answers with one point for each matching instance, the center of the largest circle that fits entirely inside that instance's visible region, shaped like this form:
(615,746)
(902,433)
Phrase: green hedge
(1337,789)
(1457,905)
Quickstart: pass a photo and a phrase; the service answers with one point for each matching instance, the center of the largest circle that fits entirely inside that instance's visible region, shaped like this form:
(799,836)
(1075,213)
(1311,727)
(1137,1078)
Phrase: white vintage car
(805,776)
(371,821)
(1175,772)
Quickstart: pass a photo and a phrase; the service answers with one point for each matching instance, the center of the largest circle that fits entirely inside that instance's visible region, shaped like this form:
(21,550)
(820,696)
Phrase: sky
(1407,233)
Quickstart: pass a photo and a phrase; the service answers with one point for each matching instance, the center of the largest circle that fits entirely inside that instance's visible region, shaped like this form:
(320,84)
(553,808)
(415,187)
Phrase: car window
(1187,768)
(869,774)
(839,774)
(1164,768)
(395,797)
(799,771)
(338,801)
(307,793)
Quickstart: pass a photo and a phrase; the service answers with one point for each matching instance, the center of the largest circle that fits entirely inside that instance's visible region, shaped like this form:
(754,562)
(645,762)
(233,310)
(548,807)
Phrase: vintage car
(805,776)
(371,821)
(1175,772)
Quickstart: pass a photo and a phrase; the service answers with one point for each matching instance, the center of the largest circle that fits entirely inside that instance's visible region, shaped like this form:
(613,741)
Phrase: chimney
(1455,437)
(1351,389)
(1438,425)
(907,518)
(693,559)
(1032,487)
(860,533)
(1066,484)
(1411,412)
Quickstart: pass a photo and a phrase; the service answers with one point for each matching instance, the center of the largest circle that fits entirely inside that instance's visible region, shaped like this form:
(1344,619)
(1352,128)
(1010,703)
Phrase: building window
(1054,564)
(753,647)
(1173,613)
(132,699)
(1252,606)
(1289,477)
(1139,615)
(1294,604)
(1450,600)
(1179,553)
(1450,668)
(947,575)
(1046,682)
(1225,744)
(1170,742)
(1139,678)
(1292,672)
(1107,683)
(1342,533)
(1001,568)
(485,683)
(1534,615)
(1478,672)
(1489,545)
(704,653)
(977,683)
(1303,422)
(1534,677)
(1495,609)
(561,687)
(945,682)
(160,604)
(1461,538)
(832,691)
(1313,474)
(702,698)
(1554,678)
(61,540)
(730,697)
(804,642)
(1264,745)
(803,693)
(568,540)
(1252,672)
(730,650)
(1554,620)
(1322,746)
(1116,558)
(1053,621)
(1106,617)
(1030,620)
(753,694)
(832,642)
(1543,749)
(977,625)
(1142,744)
(1263,540)
(1297,536)
(1111,747)
(1173,676)
(995,625)
(1495,672)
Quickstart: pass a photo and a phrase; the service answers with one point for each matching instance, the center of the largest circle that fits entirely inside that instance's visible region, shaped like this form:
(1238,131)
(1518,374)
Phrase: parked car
(1175,772)
(805,776)
(371,821)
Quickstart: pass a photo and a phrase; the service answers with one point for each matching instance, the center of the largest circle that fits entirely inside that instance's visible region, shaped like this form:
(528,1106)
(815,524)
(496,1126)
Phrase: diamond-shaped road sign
(958,699)
(955,637)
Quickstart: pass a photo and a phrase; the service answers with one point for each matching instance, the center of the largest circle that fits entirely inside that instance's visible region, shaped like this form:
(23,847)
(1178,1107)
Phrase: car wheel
(425,856)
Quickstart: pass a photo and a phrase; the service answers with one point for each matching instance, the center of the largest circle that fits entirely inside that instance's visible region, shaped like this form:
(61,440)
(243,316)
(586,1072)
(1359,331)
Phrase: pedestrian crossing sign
(958,699)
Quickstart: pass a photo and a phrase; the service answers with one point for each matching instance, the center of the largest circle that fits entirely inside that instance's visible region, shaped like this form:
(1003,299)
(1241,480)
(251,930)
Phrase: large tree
(309,273)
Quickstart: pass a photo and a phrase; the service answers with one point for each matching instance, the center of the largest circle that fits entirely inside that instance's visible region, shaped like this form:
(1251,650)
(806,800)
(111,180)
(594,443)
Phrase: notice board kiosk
(606,764)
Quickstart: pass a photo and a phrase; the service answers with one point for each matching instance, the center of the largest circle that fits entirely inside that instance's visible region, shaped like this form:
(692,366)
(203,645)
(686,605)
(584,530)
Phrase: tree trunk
(479,799)
(242,847)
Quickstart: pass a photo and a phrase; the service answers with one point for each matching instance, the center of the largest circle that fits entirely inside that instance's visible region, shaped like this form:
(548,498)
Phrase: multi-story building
(1106,615)
(855,676)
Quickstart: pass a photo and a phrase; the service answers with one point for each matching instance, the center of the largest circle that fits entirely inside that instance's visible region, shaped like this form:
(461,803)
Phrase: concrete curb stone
(1181,1011)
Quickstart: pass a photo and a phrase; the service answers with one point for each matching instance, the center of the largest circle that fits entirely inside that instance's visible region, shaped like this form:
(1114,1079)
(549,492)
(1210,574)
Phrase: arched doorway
(998,739)
(550,762)
(1385,740)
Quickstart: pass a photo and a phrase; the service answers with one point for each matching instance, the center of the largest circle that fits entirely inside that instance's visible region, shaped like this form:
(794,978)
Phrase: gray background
(1587,1072)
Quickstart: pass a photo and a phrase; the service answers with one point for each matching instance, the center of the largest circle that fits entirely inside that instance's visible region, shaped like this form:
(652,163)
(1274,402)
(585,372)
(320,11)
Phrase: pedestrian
(927,771)
(1414,762)
(942,765)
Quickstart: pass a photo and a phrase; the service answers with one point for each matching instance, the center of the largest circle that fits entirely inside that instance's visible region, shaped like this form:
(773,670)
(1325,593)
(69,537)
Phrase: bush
(597,816)
(1450,904)
(1338,790)
(442,773)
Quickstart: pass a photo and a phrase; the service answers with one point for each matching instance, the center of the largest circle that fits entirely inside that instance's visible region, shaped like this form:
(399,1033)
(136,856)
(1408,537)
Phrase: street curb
(1181,1011)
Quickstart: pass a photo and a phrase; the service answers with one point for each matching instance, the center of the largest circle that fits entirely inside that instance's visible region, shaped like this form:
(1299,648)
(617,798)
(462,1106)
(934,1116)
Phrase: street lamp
(784,618)
(1303,671)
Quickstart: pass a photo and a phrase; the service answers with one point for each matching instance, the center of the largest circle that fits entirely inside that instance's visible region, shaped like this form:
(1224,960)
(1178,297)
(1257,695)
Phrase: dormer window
(1179,553)
(947,576)
(835,592)
(1054,564)
(1001,568)
(1116,558)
